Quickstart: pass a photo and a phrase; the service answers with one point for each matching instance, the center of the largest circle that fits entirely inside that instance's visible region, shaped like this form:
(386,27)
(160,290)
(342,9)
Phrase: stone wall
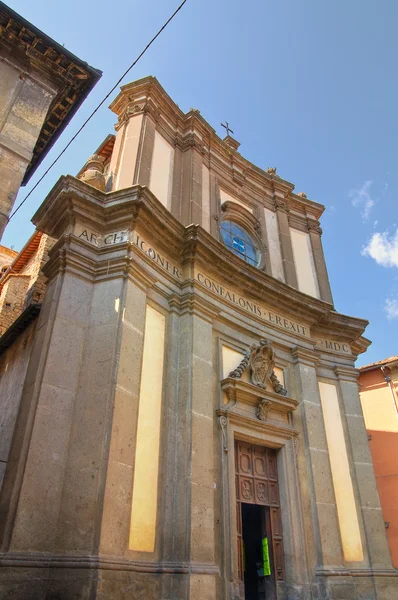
(13,365)
(25,287)
(24,103)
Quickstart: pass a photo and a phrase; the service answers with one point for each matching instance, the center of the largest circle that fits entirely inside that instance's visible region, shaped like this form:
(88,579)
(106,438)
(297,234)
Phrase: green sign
(266,563)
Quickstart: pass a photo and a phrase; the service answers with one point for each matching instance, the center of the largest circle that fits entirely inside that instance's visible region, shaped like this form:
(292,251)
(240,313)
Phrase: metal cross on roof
(226,127)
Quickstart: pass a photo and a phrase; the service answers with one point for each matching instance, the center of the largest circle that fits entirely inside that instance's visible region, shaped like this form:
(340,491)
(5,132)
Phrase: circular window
(240,242)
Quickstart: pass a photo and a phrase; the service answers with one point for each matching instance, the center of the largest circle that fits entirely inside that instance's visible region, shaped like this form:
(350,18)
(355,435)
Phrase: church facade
(187,417)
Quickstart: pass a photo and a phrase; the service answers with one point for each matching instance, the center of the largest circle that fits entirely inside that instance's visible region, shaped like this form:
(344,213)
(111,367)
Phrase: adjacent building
(378,384)
(182,410)
(42,85)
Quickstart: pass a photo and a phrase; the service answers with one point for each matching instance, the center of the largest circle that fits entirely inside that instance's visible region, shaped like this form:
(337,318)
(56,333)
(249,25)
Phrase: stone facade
(42,85)
(160,357)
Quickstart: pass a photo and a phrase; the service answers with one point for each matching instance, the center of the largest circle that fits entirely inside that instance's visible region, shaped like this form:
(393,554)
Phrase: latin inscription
(251,307)
(155,256)
(120,237)
(334,346)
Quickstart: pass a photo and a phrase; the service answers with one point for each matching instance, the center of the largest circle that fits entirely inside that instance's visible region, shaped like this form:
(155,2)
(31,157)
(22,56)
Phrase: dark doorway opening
(256,527)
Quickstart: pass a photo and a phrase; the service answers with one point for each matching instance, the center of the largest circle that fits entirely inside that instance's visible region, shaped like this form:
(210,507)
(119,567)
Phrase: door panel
(257,483)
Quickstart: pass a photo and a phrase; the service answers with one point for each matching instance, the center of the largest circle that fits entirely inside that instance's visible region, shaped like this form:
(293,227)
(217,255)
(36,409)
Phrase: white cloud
(391,308)
(383,248)
(362,199)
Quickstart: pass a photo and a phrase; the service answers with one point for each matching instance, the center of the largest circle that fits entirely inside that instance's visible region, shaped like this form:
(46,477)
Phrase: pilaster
(191,209)
(259,213)
(315,233)
(321,493)
(376,539)
(145,151)
(282,211)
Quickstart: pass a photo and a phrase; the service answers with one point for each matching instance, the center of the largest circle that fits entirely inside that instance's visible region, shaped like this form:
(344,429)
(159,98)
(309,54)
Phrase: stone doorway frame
(234,426)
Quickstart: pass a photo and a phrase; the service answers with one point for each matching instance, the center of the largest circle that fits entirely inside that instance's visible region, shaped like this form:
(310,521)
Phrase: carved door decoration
(257,483)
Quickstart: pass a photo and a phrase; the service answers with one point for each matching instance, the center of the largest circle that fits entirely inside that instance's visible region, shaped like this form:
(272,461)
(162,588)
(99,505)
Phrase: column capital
(192,303)
(305,356)
(314,227)
(347,373)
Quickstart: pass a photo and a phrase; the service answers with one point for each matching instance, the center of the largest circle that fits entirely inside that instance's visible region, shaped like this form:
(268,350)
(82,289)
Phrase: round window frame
(249,223)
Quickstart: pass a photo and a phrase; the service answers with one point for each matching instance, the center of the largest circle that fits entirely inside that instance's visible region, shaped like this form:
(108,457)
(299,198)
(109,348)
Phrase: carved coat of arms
(261,361)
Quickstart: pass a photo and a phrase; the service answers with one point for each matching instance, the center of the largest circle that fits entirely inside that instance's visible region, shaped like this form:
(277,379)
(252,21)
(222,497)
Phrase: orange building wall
(381,420)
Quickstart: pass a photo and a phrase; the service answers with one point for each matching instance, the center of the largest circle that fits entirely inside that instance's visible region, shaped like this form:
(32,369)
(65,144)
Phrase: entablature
(191,249)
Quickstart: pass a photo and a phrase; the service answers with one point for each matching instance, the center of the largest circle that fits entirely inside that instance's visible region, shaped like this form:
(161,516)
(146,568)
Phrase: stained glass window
(239,241)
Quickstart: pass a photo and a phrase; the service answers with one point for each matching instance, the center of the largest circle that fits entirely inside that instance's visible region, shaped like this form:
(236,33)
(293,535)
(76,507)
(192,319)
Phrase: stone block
(365,588)
(359,439)
(323,483)
(130,358)
(71,584)
(203,587)
(128,585)
(379,553)
(330,535)
(75,300)
(351,399)
(387,588)
(202,523)
(342,588)
(37,515)
(104,303)
(203,465)
(202,387)
(315,428)
(367,485)
(116,513)
(124,426)
(64,355)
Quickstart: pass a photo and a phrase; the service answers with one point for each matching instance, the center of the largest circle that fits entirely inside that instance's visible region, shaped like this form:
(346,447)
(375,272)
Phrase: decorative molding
(305,356)
(365,572)
(247,393)
(314,227)
(347,373)
(263,409)
(73,201)
(223,422)
(261,361)
(112,563)
(281,205)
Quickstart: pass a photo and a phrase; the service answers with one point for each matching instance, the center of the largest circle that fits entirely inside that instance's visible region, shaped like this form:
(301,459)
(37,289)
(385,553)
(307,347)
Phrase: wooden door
(257,483)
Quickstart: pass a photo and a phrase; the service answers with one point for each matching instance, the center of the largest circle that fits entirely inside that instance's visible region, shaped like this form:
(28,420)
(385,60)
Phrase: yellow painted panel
(344,493)
(280,375)
(161,180)
(146,471)
(225,197)
(206,198)
(128,158)
(230,360)
(274,245)
(304,263)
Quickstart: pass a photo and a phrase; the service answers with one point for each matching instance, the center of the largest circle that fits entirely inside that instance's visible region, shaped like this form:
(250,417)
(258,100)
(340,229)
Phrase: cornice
(237,389)
(192,130)
(192,245)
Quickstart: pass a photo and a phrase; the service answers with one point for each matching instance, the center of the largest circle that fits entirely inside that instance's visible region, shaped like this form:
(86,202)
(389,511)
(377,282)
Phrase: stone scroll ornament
(261,361)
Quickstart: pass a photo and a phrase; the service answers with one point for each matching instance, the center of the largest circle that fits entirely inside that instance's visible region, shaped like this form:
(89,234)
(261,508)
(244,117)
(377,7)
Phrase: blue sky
(309,87)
